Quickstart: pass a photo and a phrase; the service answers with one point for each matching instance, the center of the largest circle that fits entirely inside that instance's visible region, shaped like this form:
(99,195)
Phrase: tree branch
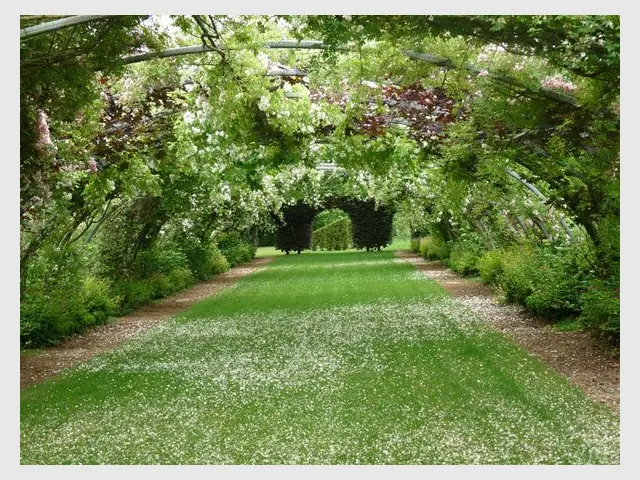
(30,32)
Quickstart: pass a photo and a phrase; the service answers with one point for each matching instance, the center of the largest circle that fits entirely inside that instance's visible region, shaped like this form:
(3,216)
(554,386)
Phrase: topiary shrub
(372,228)
(335,236)
(293,232)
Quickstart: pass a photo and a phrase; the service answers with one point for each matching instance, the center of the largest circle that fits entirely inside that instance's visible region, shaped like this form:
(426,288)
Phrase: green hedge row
(71,300)
(335,236)
(553,282)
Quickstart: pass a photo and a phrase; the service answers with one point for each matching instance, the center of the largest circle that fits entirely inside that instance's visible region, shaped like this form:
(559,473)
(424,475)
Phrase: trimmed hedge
(372,228)
(294,232)
(335,236)
(327,217)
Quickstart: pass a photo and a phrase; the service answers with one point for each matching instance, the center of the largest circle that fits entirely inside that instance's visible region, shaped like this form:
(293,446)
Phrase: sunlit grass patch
(318,363)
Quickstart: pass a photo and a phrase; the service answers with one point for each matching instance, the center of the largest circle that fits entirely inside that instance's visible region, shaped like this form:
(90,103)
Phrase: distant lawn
(332,358)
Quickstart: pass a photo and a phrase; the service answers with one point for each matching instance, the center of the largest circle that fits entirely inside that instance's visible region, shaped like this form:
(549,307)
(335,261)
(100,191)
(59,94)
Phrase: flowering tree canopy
(433,115)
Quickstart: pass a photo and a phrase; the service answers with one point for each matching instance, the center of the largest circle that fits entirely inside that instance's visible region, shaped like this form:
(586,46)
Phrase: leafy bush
(161,258)
(44,320)
(464,257)
(135,292)
(99,300)
(601,311)
(204,261)
(219,263)
(491,267)
(516,281)
(180,278)
(546,281)
(53,302)
(554,294)
(335,236)
(235,248)
(160,285)
(433,247)
(165,284)
(415,245)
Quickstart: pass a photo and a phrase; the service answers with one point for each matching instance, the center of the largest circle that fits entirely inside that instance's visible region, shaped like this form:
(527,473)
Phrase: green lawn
(320,358)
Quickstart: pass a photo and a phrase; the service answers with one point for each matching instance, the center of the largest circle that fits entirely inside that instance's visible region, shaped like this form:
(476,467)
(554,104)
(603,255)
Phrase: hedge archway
(371,224)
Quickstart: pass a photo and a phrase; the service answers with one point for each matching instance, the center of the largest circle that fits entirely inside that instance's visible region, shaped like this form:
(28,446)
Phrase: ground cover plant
(347,357)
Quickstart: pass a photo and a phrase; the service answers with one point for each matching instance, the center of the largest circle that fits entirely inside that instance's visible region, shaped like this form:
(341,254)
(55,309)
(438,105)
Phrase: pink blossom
(44,144)
(93,166)
(557,82)
(483,73)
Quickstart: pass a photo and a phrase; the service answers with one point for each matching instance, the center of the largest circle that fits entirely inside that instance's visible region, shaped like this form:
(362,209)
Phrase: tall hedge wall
(294,233)
(372,229)
(335,236)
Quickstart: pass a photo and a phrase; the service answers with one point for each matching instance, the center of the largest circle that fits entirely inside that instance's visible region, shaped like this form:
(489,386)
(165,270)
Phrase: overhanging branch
(36,30)
(192,49)
(538,194)
(498,78)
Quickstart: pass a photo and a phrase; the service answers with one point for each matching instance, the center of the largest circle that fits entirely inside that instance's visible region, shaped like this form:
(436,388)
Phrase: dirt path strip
(79,348)
(575,355)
